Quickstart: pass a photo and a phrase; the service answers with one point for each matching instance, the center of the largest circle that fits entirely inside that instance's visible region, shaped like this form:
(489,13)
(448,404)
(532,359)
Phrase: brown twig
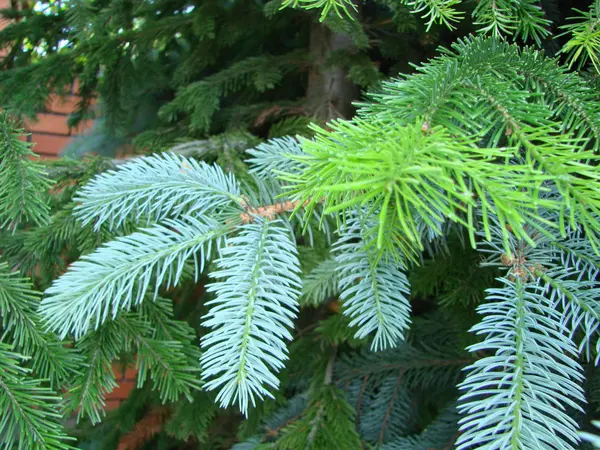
(270,211)
(145,430)
(388,412)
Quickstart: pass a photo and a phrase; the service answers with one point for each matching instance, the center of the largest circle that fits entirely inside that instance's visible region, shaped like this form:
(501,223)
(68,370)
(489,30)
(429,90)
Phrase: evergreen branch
(269,211)
(425,368)
(526,81)
(328,422)
(197,149)
(566,166)
(273,157)
(339,7)
(592,438)
(584,43)
(436,11)
(440,434)
(89,388)
(321,284)
(573,100)
(118,274)
(153,188)
(159,313)
(202,99)
(524,18)
(385,407)
(578,301)
(18,304)
(317,421)
(191,420)
(28,417)
(172,372)
(528,382)
(255,305)
(577,254)
(388,410)
(374,292)
(24,183)
(417,176)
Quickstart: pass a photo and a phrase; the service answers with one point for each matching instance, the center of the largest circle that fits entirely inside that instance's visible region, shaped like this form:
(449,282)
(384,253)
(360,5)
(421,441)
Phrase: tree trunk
(330,93)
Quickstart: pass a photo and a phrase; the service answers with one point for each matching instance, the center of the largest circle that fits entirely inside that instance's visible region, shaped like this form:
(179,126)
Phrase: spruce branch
(321,284)
(256,301)
(273,157)
(24,183)
(584,42)
(328,421)
(528,381)
(173,373)
(269,211)
(89,388)
(375,292)
(437,11)
(339,7)
(117,275)
(153,188)
(28,417)
(22,325)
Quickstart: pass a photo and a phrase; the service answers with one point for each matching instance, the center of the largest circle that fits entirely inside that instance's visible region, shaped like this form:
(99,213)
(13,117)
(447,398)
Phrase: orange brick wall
(49,132)
(127,382)
(50,135)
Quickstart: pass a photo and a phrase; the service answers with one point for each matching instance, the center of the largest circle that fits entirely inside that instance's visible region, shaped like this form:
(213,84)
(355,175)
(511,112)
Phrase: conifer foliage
(421,275)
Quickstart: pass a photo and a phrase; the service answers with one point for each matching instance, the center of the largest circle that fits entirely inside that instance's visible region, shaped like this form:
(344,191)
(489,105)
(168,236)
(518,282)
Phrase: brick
(112,404)
(64,105)
(49,145)
(55,123)
(129,374)
(122,391)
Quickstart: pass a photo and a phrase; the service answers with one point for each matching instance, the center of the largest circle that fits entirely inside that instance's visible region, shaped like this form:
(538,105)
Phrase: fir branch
(417,176)
(584,42)
(89,388)
(117,275)
(153,188)
(173,373)
(525,19)
(437,11)
(425,368)
(23,182)
(339,7)
(202,99)
(28,417)
(191,420)
(328,422)
(255,305)
(374,292)
(272,157)
(529,380)
(388,410)
(525,79)
(321,284)
(20,322)
(159,313)
(441,434)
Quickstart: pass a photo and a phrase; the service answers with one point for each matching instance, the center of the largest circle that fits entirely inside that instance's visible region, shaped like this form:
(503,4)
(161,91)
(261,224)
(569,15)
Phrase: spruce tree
(414,270)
